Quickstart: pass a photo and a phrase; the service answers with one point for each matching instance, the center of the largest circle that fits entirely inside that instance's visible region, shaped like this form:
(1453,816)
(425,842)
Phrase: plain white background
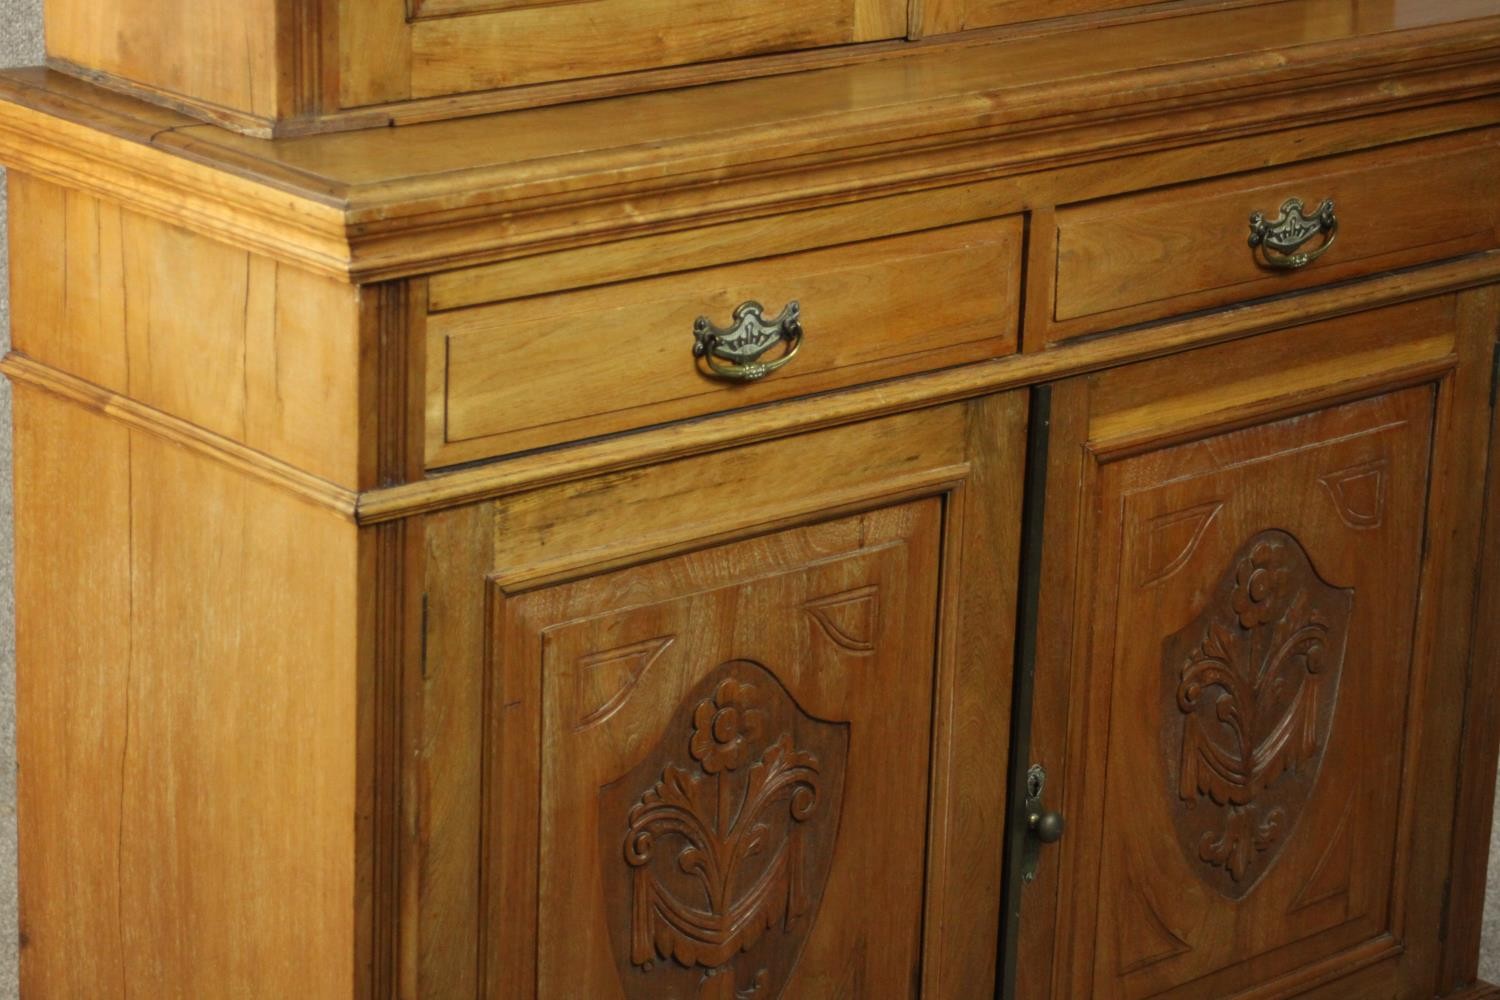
(21,45)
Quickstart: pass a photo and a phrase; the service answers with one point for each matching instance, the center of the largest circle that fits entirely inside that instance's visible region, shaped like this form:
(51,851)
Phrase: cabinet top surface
(1045,87)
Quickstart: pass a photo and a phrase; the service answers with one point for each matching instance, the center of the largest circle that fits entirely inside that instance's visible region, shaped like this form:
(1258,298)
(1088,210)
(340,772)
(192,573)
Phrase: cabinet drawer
(538,371)
(1144,256)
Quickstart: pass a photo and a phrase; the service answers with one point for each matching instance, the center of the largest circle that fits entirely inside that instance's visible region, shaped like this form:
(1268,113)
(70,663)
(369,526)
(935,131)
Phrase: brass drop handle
(734,354)
(1280,240)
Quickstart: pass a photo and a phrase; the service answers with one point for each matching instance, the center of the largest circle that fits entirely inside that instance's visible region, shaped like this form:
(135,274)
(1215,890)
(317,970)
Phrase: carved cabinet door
(728,728)
(733,767)
(1250,672)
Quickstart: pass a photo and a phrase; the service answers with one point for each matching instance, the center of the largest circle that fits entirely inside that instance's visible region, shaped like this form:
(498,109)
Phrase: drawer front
(540,371)
(1140,257)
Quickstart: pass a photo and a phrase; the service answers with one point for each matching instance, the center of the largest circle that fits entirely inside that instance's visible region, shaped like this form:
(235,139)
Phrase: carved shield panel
(718,845)
(1252,686)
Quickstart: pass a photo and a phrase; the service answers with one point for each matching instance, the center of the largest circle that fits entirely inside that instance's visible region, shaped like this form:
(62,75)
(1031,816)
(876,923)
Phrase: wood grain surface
(462,191)
(526,374)
(186,683)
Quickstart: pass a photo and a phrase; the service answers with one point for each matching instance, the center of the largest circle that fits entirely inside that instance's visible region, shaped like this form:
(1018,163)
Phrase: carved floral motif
(725,726)
(1254,681)
(727,856)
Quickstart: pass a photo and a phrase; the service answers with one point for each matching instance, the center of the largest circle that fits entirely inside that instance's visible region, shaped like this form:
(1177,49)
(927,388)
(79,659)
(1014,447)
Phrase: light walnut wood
(752,602)
(793,416)
(218,52)
(1481,747)
(1168,939)
(727,243)
(182,434)
(379,551)
(1131,259)
(252,350)
(535,372)
(73,591)
(943,16)
(389,201)
(534,43)
(568,541)
(205,640)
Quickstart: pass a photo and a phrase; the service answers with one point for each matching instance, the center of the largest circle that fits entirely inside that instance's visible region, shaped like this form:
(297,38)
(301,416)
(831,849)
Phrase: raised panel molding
(721,840)
(1243,762)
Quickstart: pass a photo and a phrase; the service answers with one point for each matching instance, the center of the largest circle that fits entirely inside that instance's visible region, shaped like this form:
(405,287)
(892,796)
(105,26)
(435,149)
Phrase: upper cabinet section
(280,67)
(937,17)
(394,50)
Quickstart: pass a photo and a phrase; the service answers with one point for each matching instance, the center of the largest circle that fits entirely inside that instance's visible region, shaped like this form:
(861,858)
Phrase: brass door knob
(1046,826)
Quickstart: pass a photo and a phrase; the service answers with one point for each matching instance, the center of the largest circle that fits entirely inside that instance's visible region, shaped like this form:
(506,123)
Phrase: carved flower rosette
(1252,685)
(717,846)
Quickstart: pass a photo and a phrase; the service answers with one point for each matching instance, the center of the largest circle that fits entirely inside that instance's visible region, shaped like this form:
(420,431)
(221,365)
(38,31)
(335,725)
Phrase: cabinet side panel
(238,776)
(188,705)
(72,487)
(216,51)
(256,351)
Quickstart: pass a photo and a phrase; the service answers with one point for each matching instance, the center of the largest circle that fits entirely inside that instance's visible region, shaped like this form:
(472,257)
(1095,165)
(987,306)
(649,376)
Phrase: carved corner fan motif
(850,620)
(1359,494)
(720,842)
(1253,683)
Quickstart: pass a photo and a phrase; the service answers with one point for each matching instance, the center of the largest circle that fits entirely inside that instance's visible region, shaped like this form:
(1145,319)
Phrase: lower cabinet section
(743,744)
(1252,673)
(736,726)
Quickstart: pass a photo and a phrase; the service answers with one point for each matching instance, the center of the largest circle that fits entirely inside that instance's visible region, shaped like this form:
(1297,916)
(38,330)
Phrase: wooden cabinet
(1254,595)
(942,523)
(704,756)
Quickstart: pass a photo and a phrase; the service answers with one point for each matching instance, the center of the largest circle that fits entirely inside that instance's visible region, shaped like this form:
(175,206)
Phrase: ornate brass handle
(734,354)
(1280,240)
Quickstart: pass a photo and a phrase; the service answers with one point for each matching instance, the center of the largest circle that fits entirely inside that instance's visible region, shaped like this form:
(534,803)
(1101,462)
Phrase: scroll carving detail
(1253,684)
(725,856)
